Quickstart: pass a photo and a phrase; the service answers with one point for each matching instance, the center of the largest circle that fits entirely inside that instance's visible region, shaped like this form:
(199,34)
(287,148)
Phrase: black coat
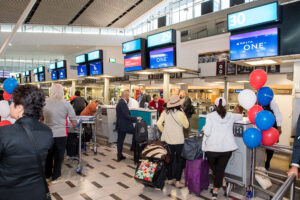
(187,107)
(79,104)
(296,151)
(19,170)
(124,119)
(146,98)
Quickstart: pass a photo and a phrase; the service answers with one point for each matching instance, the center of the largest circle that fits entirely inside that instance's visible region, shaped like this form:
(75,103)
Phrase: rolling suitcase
(196,175)
(141,132)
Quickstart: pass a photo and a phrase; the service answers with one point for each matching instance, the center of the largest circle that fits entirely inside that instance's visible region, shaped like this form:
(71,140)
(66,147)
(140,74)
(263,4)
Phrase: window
(175,17)
(225,4)
(197,10)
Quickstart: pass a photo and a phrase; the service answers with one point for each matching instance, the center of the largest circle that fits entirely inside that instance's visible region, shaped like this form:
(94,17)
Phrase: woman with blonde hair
(56,112)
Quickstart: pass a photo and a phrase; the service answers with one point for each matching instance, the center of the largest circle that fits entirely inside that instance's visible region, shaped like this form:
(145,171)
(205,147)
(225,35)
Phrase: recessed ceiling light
(145,73)
(261,62)
(242,81)
(10,44)
(174,70)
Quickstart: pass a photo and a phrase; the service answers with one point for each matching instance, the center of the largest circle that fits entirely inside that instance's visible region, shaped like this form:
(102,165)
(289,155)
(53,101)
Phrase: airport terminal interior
(147,53)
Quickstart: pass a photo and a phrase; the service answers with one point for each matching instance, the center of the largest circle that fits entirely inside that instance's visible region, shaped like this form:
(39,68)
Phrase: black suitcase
(72,145)
(139,147)
(141,132)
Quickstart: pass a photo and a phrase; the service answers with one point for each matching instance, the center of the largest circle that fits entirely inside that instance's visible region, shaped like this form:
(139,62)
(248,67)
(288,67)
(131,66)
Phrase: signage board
(95,68)
(82,70)
(131,46)
(80,59)
(62,74)
(53,75)
(61,64)
(95,55)
(162,58)
(133,62)
(52,66)
(162,38)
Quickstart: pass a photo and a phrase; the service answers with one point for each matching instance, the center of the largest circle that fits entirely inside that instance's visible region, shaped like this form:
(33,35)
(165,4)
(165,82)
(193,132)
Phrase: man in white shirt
(296,153)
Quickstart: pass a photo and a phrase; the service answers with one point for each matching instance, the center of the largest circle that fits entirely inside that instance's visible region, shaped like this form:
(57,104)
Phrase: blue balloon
(252,137)
(265,96)
(264,120)
(9,85)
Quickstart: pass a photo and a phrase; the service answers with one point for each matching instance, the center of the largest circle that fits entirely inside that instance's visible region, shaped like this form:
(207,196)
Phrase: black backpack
(141,131)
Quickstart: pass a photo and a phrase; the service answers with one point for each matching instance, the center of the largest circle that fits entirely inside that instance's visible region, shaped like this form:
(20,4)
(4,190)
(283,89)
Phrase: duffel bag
(192,148)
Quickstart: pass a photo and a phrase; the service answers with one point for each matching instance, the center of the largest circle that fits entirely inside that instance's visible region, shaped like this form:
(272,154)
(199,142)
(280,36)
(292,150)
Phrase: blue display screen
(80,59)
(160,38)
(61,74)
(61,64)
(82,70)
(54,75)
(131,46)
(162,58)
(255,44)
(95,55)
(253,16)
(95,68)
(42,77)
(52,66)
(133,62)
(238,90)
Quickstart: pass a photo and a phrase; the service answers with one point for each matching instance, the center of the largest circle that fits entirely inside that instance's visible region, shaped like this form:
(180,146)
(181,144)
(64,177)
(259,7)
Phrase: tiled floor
(104,178)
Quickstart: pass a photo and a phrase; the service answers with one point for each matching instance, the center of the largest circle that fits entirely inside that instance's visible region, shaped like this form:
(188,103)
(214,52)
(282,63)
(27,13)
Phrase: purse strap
(38,158)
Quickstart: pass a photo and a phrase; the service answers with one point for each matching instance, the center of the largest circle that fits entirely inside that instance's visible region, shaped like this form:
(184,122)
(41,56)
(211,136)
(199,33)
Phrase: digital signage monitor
(253,16)
(54,75)
(257,44)
(95,68)
(62,74)
(52,66)
(82,70)
(42,77)
(162,58)
(133,62)
(61,64)
(95,55)
(27,73)
(36,78)
(162,38)
(35,71)
(131,46)
(80,59)
(24,74)
(41,69)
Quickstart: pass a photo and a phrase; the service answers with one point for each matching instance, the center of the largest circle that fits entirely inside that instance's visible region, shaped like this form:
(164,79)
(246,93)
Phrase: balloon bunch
(264,120)
(9,86)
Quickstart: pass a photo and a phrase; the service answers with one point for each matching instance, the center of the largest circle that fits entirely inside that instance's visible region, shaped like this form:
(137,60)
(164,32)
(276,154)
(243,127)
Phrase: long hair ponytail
(221,109)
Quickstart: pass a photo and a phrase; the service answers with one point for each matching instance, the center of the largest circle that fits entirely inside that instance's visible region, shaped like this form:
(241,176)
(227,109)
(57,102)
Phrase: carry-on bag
(151,173)
(141,131)
(192,148)
(72,145)
(196,175)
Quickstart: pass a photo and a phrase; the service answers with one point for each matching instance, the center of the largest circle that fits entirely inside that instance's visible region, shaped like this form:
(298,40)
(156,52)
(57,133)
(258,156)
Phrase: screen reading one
(62,74)
(160,38)
(52,66)
(41,69)
(253,16)
(82,70)
(80,59)
(61,64)
(257,44)
(134,45)
(95,55)
(95,68)
(133,62)
(54,75)
(35,71)
(162,58)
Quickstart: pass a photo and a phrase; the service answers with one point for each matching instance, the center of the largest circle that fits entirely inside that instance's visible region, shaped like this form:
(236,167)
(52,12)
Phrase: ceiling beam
(19,22)
(31,13)
(81,11)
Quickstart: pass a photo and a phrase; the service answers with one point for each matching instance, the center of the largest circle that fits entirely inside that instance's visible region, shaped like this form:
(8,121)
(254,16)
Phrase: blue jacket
(124,119)
(296,151)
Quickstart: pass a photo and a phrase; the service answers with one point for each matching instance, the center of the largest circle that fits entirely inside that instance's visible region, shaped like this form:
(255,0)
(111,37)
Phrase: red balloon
(270,136)
(258,78)
(5,123)
(252,112)
(6,96)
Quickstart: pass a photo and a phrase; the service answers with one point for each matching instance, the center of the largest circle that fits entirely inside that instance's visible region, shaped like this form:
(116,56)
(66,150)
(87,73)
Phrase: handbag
(192,148)
(39,161)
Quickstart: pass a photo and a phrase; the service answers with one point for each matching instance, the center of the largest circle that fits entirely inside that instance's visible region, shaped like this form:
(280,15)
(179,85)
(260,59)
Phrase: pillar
(226,90)
(166,86)
(73,88)
(131,93)
(85,92)
(106,91)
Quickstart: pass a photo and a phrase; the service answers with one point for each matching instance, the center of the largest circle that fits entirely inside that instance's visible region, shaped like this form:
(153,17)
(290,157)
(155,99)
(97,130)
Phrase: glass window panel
(225,4)
(217,5)
(183,15)
(155,24)
(175,17)
(189,14)
(6,28)
(197,10)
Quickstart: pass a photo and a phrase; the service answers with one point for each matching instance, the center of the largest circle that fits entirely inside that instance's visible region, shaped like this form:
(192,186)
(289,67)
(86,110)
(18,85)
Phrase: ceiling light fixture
(290,61)
(174,70)
(145,73)
(242,81)
(261,62)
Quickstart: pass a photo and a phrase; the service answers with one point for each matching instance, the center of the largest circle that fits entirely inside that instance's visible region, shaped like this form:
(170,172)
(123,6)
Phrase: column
(226,90)
(85,92)
(73,89)
(106,90)
(166,86)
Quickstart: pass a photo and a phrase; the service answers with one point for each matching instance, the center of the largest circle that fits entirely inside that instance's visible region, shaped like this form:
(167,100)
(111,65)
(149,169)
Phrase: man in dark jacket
(143,98)
(187,104)
(79,103)
(124,123)
(296,153)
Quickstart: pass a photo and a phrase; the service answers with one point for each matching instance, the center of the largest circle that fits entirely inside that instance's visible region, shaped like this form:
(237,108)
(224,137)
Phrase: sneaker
(57,180)
(179,184)
(214,196)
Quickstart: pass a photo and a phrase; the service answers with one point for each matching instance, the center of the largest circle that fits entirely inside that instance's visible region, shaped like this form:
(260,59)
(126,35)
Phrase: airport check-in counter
(108,123)
(238,167)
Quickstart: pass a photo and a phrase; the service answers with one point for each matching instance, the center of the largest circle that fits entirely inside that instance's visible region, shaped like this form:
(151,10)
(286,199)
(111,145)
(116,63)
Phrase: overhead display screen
(80,59)
(253,16)
(133,62)
(134,45)
(42,77)
(160,38)
(95,68)
(162,58)
(82,70)
(54,75)
(41,69)
(62,74)
(27,73)
(94,55)
(35,71)
(52,66)
(61,64)
(257,44)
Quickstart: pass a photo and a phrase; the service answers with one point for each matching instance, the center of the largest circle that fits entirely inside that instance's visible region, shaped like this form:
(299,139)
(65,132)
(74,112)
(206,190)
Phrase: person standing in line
(218,142)
(187,108)
(91,109)
(143,98)
(56,112)
(79,103)
(157,104)
(174,121)
(1,95)
(294,170)
(20,176)
(124,123)
(273,108)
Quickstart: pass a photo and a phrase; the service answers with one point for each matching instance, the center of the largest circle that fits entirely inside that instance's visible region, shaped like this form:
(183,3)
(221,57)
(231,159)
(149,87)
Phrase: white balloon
(247,99)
